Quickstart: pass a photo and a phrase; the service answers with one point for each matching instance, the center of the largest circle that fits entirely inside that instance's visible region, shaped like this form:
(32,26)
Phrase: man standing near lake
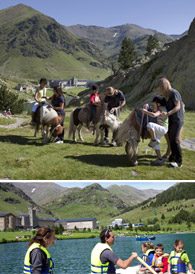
(103,259)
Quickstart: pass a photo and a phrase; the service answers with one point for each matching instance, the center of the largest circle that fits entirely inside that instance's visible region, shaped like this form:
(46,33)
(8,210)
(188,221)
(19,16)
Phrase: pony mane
(126,130)
(112,121)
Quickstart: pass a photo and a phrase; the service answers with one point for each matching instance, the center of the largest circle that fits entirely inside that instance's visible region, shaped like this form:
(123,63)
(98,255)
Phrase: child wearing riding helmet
(178,259)
(160,260)
(40,97)
(148,254)
(157,130)
(94,102)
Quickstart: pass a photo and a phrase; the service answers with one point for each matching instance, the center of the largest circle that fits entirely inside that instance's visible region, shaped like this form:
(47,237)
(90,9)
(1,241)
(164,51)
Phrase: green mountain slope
(131,195)
(32,45)
(41,193)
(181,191)
(164,207)
(15,201)
(91,201)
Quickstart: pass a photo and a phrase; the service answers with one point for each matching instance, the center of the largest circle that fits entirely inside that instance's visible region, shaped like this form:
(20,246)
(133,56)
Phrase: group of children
(176,262)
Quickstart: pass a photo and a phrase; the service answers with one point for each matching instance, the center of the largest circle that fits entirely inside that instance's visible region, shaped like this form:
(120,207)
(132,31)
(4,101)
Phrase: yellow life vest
(177,264)
(146,256)
(27,264)
(96,264)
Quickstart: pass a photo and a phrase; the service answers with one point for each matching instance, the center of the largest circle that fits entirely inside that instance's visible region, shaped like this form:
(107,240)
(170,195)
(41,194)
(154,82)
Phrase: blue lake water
(73,256)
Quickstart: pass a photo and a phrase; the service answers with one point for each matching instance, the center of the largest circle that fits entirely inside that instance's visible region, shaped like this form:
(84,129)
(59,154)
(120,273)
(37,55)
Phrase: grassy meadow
(24,157)
(24,236)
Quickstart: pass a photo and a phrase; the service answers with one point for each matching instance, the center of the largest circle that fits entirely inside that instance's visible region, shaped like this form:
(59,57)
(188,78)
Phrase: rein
(146,106)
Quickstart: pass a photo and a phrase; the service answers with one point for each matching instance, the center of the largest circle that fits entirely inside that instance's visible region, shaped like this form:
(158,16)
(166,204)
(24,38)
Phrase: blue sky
(167,16)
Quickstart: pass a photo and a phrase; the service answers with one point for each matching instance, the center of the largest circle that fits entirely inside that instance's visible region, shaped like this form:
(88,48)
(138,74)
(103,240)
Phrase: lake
(73,256)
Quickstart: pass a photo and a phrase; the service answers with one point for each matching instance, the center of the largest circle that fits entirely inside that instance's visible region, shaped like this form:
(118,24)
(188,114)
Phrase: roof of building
(24,215)
(47,219)
(5,214)
(75,220)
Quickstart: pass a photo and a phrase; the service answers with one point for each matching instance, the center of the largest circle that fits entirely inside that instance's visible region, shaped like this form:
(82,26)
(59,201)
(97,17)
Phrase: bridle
(52,138)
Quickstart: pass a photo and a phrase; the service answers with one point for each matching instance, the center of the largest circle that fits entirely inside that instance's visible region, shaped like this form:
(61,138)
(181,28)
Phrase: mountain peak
(95,186)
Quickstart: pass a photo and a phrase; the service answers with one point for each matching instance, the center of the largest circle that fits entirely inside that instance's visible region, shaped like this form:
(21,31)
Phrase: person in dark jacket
(58,103)
(175,114)
(114,100)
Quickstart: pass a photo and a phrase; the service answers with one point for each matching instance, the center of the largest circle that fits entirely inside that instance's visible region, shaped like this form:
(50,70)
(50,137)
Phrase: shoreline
(81,235)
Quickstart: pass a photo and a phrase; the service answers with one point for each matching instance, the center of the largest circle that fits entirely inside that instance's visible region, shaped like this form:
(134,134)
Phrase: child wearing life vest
(160,260)
(178,260)
(94,102)
(148,254)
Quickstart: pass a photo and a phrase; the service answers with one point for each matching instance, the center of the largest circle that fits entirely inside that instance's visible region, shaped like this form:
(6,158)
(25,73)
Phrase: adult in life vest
(178,259)
(38,259)
(148,254)
(160,260)
(103,259)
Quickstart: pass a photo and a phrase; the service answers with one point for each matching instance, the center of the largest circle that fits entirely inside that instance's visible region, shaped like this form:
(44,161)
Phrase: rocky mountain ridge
(177,63)
(109,40)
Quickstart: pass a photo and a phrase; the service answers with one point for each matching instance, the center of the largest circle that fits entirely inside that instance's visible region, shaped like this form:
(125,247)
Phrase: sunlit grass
(84,161)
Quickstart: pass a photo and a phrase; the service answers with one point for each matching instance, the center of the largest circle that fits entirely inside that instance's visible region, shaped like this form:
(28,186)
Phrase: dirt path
(188,144)
(18,123)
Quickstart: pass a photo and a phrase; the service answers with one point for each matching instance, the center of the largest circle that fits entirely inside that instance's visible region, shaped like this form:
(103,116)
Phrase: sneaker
(158,162)
(113,144)
(175,165)
(59,142)
(153,143)
(106,140)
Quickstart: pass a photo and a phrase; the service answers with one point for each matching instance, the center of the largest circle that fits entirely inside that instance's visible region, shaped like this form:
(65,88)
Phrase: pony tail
(151,245)
(42,233)
(71,124)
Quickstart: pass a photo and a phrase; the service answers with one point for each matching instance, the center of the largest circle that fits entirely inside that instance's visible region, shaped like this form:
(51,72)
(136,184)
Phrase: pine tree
(152,43)
(10,100)
(127,54)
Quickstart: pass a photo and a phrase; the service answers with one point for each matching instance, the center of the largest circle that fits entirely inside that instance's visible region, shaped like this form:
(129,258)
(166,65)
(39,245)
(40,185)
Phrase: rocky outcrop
(177,63)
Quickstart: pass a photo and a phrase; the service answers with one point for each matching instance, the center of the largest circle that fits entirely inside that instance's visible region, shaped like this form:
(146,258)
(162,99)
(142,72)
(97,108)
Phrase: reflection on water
(73,256)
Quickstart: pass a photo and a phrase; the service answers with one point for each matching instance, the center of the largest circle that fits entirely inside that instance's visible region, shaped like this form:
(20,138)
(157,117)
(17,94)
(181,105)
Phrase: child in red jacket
(160,260)
(94,102)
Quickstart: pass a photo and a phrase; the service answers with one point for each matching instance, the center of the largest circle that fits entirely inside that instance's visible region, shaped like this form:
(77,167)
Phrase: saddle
(37,112)
(142,120)
(84,114)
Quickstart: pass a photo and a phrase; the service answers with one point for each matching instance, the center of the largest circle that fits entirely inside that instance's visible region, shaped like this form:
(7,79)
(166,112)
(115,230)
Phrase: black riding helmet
(159,99)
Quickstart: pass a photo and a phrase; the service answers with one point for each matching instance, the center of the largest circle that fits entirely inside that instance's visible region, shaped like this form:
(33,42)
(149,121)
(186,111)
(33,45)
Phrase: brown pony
(130,132)
(80,117)
(49,120)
